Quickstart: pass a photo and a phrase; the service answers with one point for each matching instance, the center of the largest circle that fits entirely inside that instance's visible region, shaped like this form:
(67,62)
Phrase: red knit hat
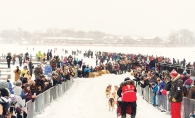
(174,73)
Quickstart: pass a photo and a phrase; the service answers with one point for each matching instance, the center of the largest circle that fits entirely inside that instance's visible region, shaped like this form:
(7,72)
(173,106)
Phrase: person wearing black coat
(83,68)
(4,100)
(48,55)
(175,96)
(20,60)
(8,58)
(31,67)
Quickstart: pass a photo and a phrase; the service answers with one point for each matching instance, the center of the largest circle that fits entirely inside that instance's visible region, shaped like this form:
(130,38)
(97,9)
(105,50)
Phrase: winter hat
(188,81)
(127,78)
(174,73)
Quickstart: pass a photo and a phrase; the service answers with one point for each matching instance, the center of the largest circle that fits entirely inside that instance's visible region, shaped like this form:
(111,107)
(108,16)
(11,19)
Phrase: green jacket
(39,54)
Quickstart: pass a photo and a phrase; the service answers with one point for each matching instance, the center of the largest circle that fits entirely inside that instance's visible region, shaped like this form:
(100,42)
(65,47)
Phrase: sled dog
(111,103)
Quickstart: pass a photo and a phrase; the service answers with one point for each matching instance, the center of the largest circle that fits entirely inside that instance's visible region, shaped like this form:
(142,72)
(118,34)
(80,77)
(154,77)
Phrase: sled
(118,110)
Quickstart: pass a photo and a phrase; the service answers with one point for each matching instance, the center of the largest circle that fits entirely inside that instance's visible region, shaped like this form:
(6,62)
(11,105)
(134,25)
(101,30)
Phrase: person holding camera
(17,72)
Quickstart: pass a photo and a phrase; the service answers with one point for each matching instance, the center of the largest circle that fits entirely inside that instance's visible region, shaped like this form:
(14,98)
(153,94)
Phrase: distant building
(67,40)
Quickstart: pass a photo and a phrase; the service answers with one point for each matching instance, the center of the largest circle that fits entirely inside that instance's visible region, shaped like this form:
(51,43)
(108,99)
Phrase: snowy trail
(86,99)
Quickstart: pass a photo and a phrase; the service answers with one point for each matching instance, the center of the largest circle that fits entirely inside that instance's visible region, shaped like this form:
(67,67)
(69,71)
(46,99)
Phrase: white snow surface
(87,99)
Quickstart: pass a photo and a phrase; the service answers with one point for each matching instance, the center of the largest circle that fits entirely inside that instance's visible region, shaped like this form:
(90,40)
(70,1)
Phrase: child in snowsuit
(155,89)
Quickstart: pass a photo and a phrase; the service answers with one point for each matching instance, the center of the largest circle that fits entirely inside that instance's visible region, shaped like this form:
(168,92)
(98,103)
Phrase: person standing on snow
(39,56)
(175,96)
(128,93)
(154,89)
(8,58)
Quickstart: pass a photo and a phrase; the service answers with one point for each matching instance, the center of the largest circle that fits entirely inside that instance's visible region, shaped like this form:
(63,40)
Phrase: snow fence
(187,106)
(47,97)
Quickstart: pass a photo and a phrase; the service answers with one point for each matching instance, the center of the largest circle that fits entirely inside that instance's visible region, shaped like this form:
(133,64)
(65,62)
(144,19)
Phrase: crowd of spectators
(146,70)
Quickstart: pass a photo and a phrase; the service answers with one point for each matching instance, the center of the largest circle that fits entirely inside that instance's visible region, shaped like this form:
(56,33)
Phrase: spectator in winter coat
(23,72)
(161,86)
(4,101)
(27,75)
(31,67)
(80,63)
(75,62)
(117,68)
(48,56)
(20,59)
(8,58)
(184,77)
(38,71)
(17,73)
(165,92)
(153,78)
(155,89)
(152,63)
(191,94)
(87,71)
(14,59)
(175,96)
(83,68)
(27,92)
(20,102)
(39,56)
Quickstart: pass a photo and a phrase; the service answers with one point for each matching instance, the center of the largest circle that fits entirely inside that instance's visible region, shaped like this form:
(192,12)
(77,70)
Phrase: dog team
(111,95)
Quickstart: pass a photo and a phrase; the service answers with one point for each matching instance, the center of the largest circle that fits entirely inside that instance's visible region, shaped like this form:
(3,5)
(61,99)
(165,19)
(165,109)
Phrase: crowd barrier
(187,106)
(161,100)
(47,97)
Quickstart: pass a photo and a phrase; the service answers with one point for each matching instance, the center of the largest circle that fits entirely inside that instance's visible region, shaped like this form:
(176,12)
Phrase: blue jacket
(10,87)
(155,89)
(161,87)
(87,70)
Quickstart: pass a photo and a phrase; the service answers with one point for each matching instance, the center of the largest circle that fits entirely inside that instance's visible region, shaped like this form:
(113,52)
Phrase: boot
(132,116)
(123,116)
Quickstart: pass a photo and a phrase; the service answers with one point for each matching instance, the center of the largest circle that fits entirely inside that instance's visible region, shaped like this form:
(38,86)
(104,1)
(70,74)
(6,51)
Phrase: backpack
(13,100)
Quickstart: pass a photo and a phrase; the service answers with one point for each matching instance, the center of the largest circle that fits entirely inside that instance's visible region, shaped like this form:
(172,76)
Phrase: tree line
(182,37)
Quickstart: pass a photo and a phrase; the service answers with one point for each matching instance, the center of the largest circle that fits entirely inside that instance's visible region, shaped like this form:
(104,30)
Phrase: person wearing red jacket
(128,98)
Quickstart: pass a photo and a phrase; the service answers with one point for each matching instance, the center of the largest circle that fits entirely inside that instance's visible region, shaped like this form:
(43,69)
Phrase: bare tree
(182,37)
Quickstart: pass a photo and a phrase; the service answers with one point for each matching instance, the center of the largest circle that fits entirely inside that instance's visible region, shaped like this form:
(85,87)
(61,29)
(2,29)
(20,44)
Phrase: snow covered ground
(86,99)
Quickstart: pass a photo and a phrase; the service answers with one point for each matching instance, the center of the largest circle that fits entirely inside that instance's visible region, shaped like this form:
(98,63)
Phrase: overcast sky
(121,17)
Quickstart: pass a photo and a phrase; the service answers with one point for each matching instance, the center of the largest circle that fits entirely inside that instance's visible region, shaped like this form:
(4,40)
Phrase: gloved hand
(119,99)
(169,97)
(174,100)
